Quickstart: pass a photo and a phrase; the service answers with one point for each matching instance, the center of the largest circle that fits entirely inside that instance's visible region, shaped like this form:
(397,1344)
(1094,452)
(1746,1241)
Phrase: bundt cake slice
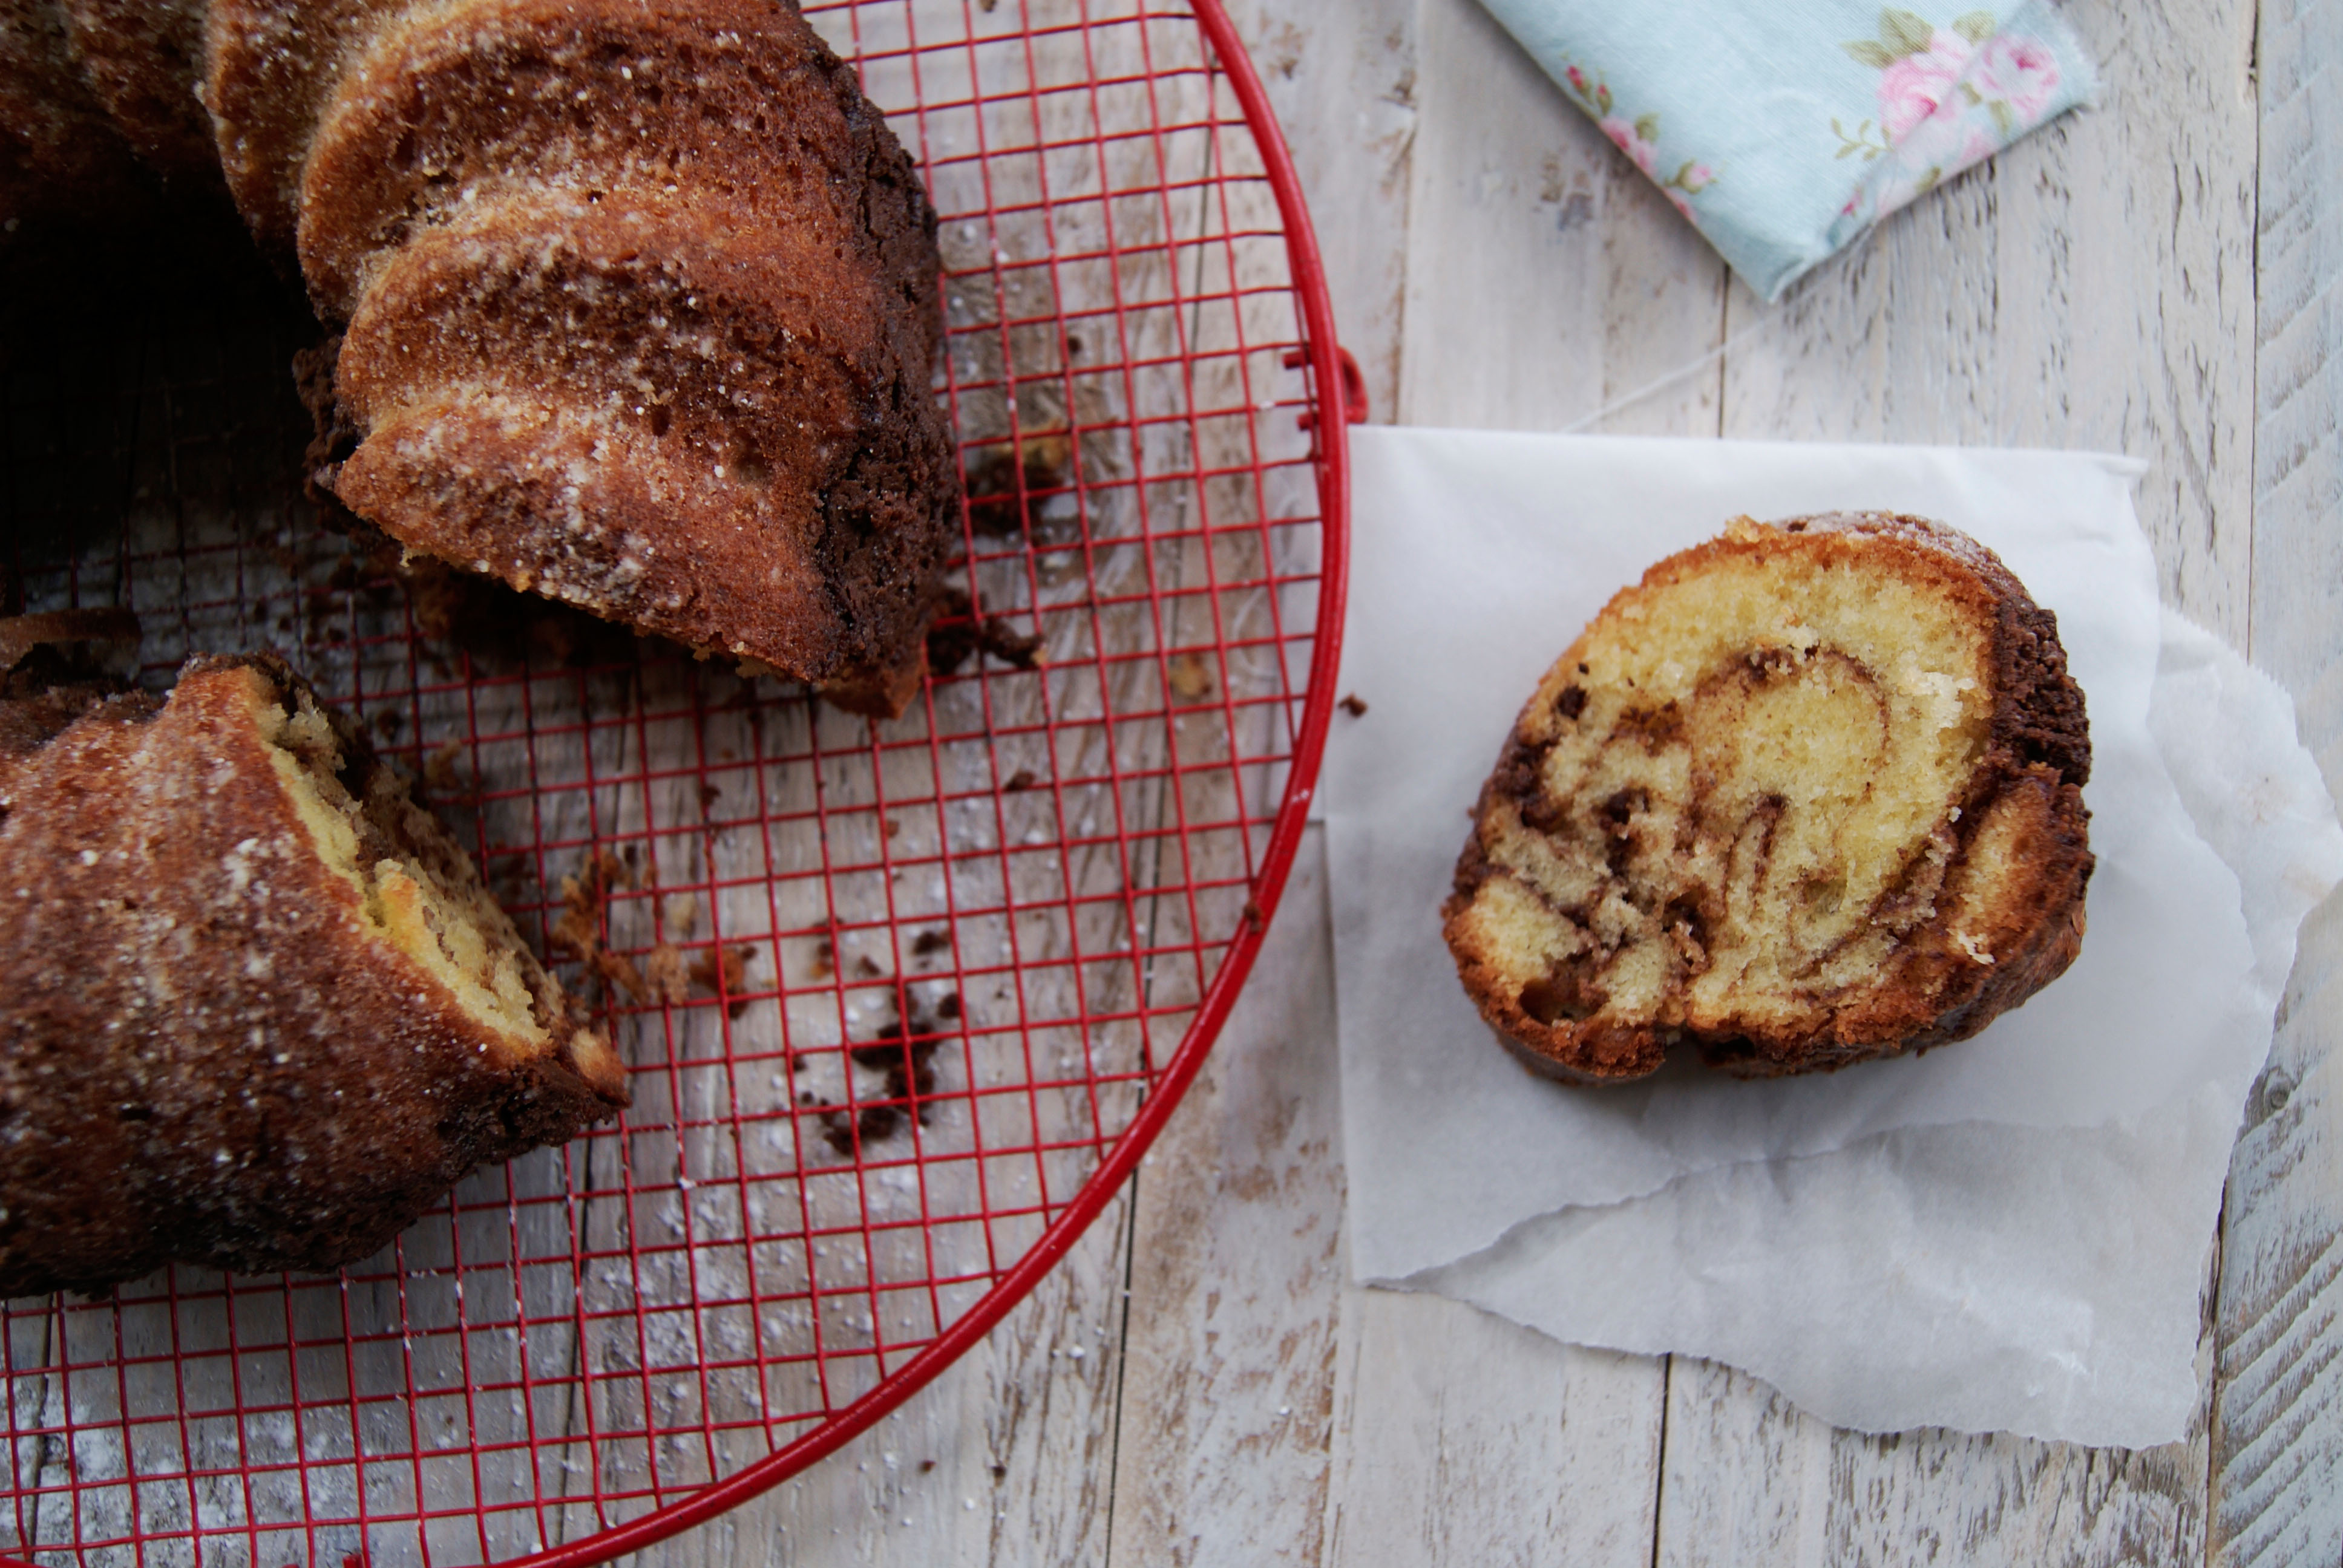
(1810,793)
(261,1013)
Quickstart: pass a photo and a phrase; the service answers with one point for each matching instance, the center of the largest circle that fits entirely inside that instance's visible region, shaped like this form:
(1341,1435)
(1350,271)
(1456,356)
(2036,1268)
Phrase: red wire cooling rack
(904,1002)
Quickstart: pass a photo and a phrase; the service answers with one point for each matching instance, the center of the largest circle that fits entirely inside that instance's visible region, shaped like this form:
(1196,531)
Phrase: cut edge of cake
(1597,923)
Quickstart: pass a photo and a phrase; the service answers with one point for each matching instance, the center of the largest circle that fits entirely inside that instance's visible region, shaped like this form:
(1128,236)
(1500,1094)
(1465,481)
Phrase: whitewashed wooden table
(1198,1384)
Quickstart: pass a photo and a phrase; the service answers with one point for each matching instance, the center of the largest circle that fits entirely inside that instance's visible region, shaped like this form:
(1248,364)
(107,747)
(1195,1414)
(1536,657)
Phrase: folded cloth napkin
(2007,1234)
(1784,128)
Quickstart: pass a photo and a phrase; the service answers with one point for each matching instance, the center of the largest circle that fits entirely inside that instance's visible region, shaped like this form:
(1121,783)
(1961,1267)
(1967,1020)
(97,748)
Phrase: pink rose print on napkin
(1632,141)
(1948,97)
(2020,72)
(1911,89)
(1639,139)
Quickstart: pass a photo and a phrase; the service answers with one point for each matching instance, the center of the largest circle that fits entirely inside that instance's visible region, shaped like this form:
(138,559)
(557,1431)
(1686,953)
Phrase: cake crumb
(1191,678)
(729,966)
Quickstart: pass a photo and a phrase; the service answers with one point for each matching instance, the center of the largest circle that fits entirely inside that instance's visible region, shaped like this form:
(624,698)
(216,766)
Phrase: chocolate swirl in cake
(1809,793)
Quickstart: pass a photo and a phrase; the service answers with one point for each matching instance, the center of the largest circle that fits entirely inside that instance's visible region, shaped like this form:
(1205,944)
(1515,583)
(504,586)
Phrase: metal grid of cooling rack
(903,1002)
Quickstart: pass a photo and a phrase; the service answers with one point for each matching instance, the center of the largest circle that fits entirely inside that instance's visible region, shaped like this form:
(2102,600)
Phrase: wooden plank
(1004,1459)
(1458,1437)
(2086,289)
(1235,1278)
(1229,1368)
(1751,1482)
(1462,1438)
(2278,1430)
(1342,82)
(1546,279)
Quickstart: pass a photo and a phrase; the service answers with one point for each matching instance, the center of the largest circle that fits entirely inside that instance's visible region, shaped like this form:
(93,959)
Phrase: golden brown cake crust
(1971,931)
(639,298)
(642,316)
(205,1053)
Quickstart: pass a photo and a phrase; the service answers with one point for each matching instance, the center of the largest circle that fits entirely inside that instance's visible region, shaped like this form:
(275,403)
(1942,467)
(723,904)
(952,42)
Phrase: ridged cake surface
(637,302)
(260,1012)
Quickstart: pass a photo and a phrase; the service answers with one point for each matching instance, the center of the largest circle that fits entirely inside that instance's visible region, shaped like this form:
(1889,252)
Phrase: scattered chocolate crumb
(948,1005)
(892,826)
(866,967)
(708,795)
(993,481)
(1354,705)
(875,1122)
(926,1465)
(1252,916)
(1010,646)
(1021,779)
(999,1471)
(931,941)
(825,960)
(905,1049)
(844,1132)
(958,633)
(1191,678)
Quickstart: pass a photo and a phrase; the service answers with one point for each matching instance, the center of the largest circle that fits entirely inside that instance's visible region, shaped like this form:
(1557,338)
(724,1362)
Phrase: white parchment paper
(2007,1234)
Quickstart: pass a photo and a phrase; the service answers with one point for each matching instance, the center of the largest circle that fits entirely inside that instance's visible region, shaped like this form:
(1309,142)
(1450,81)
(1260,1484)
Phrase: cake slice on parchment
(1809,793)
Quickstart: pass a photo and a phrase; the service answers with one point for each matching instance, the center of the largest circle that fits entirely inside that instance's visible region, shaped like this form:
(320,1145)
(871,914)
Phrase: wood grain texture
(1546,279)
(2278,1436)
(1342,80)
(1005,1458)
(2088,288)
(1751,1482)
(1227,1371)
(1461,1438)
(2091,287)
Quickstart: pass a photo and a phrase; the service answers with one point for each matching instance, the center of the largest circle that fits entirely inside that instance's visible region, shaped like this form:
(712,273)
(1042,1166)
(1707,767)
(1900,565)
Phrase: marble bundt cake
(260,1012)
(1810,793)
(637,299)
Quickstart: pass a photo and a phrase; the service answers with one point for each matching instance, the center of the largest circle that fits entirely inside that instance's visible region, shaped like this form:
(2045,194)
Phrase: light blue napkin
(1784,128)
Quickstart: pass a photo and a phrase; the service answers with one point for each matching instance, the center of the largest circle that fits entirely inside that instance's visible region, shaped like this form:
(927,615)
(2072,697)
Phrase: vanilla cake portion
(259,1011)
(1809,793)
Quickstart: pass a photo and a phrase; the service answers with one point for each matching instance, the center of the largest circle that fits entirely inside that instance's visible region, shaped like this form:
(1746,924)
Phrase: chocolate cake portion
(1808,794)
(260,1012)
